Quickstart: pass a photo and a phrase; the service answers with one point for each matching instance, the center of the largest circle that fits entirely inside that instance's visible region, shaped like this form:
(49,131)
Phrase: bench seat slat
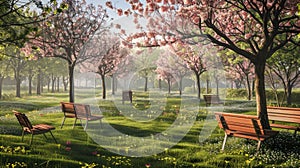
(285,119)
(283,108)
(284,116)
(285,112)
(290,127)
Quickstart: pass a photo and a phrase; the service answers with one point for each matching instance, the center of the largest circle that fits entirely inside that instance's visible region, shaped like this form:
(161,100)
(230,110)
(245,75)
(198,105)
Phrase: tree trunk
(253,88)
(53,83)
(248,87)
(169,86)
(65,83)
(18,87)
(18,84)
(103,87)
(146,84)
(48,84)
(159,84)
(42,83)
(260,93)
(38,84)
(237,84)
(1,83)
(71,81)
(198,85)
(180,86)
(30,84)
(57,83)
(289,94)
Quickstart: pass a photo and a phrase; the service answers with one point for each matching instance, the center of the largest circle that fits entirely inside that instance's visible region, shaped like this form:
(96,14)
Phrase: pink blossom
(247,36)
(120,12)
(109,4)
(117,26)
(68,143)
(123,31)
(164,8)
(68,149)
(187,2)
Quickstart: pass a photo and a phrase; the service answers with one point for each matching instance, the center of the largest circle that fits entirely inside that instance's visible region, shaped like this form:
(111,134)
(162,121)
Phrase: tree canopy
(254,29)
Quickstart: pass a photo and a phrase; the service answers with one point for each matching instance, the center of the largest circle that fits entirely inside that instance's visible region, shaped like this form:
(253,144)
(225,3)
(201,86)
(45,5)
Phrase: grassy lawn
(77,148)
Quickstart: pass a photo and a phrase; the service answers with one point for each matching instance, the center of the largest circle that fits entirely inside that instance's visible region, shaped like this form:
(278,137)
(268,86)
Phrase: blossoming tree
(64,35)
(254,29)
(105,54)
(194,60)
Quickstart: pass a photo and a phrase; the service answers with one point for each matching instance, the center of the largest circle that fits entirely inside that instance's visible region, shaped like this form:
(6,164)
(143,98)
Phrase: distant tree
(285,64)
(123,69)
(144,63)
(194,59)
(240,69)
(165,75)
(163,72)
(17,63)
(105,53)
(64,35)
(30,72)
(4,69)
(274,83)
(174,68)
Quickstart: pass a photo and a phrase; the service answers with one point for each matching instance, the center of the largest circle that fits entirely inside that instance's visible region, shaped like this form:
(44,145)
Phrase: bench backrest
(68,109)
(82,111)
(240,122)
(24,121)
(287,114)
(211,98)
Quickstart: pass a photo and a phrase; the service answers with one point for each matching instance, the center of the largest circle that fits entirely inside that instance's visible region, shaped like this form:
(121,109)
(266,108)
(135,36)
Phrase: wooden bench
(212,99)
(127,96)
(69,112)
(78,111)
(83,112)
(27,127)
(243,126)
(284,115)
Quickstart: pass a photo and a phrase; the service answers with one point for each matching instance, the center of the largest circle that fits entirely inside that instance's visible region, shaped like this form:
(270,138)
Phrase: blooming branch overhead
(254,29)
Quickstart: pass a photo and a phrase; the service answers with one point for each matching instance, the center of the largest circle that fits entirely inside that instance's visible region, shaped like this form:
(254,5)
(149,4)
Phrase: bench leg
(295,133)
(101,123)
(86,124)
(74,123)
(23,135)
(258,145)
(45,135)
(224,142)
(53,137)
(63,122)
(31,140)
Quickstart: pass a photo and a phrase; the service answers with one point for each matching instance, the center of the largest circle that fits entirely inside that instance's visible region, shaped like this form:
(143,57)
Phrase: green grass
(77,149)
